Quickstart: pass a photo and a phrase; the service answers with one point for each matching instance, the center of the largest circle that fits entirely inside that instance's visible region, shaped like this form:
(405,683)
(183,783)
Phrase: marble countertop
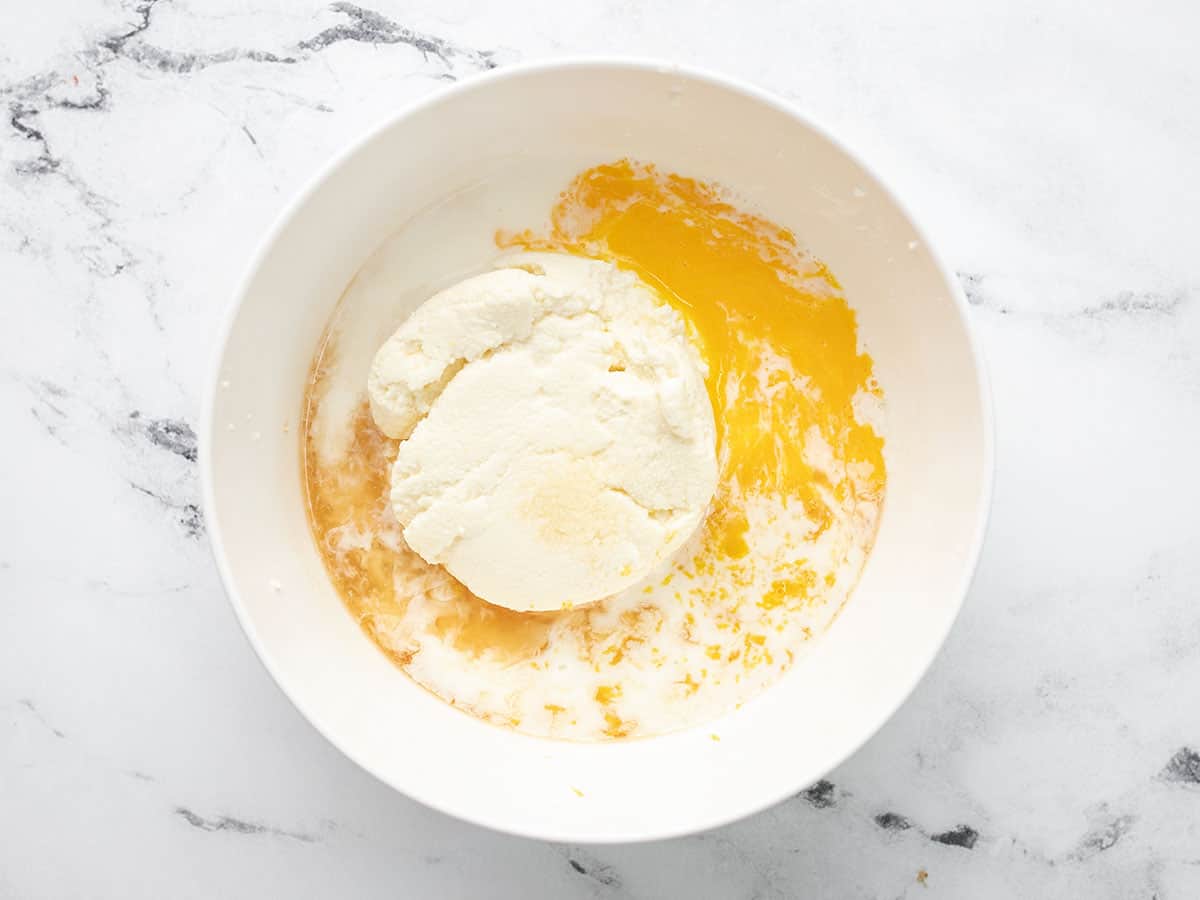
(1053,750)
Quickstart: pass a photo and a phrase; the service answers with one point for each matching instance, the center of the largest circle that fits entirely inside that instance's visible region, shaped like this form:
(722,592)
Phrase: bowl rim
(734,812)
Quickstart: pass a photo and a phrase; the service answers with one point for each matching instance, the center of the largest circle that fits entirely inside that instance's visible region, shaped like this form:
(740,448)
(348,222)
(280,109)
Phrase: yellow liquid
(780,340)
(354,494)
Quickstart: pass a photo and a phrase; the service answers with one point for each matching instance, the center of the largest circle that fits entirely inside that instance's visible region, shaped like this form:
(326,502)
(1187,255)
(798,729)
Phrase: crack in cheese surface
(557,439)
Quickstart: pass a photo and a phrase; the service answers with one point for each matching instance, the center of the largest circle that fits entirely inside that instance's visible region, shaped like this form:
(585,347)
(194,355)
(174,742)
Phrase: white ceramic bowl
(939,454)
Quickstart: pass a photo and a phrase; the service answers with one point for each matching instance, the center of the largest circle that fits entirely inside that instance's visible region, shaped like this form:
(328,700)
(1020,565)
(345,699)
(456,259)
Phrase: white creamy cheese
(557,439)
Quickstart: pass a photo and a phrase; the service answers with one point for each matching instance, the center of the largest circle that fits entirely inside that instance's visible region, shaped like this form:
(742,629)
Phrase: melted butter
(476,627)
(780,340)
(351,497)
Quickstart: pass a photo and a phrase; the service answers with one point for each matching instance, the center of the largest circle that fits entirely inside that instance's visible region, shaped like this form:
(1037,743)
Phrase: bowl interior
(838,694)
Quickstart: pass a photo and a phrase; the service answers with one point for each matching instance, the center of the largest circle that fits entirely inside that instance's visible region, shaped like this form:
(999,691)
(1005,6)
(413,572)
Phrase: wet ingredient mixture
(801,482)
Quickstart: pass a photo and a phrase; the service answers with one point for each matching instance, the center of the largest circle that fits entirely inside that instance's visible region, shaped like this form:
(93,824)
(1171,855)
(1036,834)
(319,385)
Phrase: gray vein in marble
(296,99)
(1104,832)
(1137,302)
(595,871)
(820,795)
(369,27)
(97,102)
(253,140)
(890,821)
(1125,303)
(179,63)
(971,282)
(824,795)
(131,46)
(163,60)
(142,10)
(1103,836)
(962,836)
(20,116)
(232,825)
(187,515)
(31,707)
(173,435)
(1183,767)
(48,410)
(49,425)
(29,98)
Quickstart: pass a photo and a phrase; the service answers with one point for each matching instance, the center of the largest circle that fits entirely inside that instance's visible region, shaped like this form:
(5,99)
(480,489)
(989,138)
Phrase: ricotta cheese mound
(557,439)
